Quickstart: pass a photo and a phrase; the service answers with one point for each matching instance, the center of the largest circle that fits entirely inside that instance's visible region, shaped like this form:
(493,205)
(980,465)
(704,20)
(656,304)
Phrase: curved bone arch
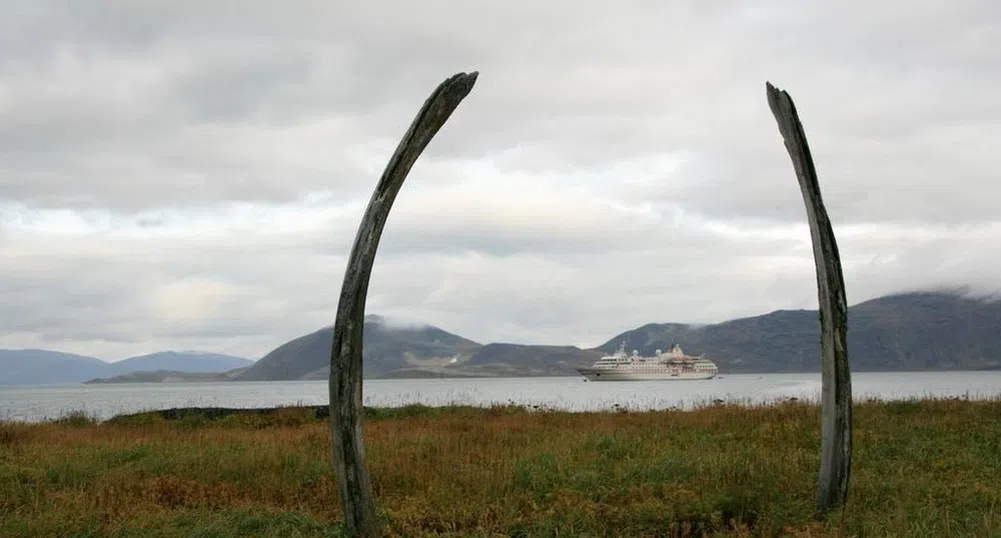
(354,482)
(836,376)
(353,479)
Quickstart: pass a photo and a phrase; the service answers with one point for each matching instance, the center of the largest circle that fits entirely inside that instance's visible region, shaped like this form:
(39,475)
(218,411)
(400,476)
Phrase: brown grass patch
(921,469)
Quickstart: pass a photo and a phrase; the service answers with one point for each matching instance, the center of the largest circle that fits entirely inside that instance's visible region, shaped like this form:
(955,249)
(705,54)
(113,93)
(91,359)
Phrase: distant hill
(394,351)
(41,367)
(180,361)
(534,360)
(387,348)
(907,331)
(166,376)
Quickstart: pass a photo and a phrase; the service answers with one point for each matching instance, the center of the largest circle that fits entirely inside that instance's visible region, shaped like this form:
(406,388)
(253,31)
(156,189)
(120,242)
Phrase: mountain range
(900,332)
(42,367)
(903,332)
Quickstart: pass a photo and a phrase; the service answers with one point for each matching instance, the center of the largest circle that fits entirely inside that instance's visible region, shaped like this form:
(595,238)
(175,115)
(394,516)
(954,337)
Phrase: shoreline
(322,411)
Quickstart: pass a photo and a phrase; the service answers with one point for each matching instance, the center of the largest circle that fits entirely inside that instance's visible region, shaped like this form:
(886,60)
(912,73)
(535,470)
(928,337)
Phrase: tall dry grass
(928,468)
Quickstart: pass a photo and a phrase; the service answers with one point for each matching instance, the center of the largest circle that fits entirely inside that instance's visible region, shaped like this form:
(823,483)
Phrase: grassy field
(928,468)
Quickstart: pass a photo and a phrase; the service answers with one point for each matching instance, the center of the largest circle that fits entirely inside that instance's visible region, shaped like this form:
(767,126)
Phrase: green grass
(921,468)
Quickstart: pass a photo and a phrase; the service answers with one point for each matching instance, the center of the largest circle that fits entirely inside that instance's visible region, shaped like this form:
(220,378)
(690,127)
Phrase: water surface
(567,393)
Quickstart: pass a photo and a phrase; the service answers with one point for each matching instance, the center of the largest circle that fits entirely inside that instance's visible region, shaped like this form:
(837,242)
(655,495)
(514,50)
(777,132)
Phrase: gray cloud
(180,175)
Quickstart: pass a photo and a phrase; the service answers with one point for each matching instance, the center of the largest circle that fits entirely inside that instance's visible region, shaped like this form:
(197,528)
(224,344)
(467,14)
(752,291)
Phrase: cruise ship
(673,365)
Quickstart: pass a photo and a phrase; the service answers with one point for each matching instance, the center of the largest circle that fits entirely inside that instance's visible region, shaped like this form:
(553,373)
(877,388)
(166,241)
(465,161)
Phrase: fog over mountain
(181,177)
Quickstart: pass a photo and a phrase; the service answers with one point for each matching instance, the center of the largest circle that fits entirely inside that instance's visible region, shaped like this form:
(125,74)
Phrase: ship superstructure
(673,365)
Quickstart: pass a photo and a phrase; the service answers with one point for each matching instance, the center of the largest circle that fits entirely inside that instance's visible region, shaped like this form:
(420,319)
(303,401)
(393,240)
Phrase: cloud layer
(177,175)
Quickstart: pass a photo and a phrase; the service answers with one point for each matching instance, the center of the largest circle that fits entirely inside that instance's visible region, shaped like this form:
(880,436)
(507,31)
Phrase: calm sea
(568,393)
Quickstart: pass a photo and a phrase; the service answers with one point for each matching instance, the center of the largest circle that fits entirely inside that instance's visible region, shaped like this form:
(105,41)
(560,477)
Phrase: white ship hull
(671,366)
(619,375)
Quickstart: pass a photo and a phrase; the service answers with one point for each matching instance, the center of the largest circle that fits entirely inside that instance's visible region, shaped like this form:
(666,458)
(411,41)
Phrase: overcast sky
(190,175)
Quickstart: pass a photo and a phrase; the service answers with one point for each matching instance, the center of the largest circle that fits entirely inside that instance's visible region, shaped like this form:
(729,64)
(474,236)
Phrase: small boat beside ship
(673,365)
